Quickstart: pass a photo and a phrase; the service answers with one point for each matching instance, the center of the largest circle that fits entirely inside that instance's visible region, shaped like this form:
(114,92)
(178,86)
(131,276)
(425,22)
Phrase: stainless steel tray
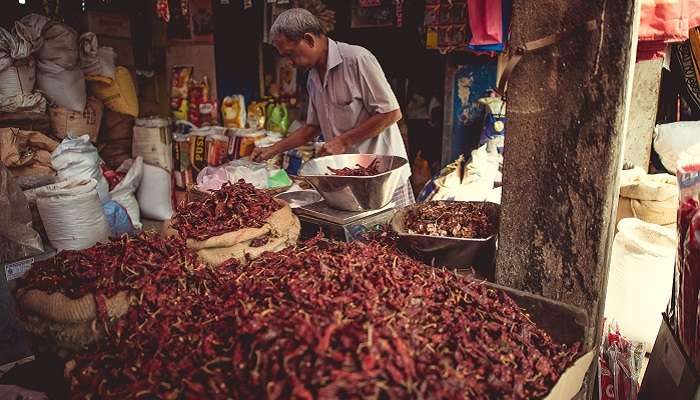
(355,193)
(452,252)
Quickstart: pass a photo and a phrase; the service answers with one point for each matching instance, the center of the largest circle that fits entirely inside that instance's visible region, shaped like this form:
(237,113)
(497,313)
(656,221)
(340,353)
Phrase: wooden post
(567,112)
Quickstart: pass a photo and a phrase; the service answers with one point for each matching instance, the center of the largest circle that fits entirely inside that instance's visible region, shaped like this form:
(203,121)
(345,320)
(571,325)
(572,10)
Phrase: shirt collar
(334,58)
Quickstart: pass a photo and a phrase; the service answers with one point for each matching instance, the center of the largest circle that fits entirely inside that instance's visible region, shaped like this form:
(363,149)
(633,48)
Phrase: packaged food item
(198,152)
(276,161)
(256,115)
(233,111)
(245,141)
(277,118)
(619,366)
(208,113)
(179,107)
(197,94)
(179,80)
(217,149)
(182,165)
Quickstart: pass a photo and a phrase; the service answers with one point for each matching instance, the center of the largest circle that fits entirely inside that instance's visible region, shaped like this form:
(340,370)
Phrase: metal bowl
(477,253)
(300,198)
(355,193)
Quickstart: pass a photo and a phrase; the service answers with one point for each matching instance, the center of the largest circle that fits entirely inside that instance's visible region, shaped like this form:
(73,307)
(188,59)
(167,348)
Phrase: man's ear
(309,39)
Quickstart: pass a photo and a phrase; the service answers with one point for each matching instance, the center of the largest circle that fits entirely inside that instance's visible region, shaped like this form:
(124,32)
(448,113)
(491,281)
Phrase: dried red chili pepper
(450,218)
(321,320)
(228,209)
(370,170)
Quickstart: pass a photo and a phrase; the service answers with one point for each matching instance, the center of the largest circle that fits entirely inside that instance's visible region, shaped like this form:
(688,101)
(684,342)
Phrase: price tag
(17,269)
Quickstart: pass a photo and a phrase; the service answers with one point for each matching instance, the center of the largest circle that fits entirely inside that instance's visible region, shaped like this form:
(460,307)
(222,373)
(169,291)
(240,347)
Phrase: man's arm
(297,138)
(369,128)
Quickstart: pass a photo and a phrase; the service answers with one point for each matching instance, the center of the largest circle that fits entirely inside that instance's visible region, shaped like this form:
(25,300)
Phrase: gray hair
(295,23)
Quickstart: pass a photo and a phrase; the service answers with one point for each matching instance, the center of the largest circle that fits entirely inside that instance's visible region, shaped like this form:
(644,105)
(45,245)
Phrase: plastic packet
(179,80)
(686,285)
(233,111)
(619,366)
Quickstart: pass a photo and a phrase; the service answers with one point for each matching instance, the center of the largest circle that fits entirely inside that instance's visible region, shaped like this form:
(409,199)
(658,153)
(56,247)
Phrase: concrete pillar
(567,111)
(643,107)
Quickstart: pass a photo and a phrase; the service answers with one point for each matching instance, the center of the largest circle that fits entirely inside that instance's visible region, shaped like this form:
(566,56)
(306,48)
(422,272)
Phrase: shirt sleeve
(377,95)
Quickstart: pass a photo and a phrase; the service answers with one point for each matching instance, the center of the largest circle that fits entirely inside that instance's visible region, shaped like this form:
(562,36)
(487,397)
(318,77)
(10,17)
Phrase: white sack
(155,193)
(76,159)
(125,192)
(95,60)
(670,140)
(640,278)
(72,214)
(65,87)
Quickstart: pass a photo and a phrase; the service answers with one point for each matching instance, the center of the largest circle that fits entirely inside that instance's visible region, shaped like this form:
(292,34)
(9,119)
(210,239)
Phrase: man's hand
(263,154)
(334,146)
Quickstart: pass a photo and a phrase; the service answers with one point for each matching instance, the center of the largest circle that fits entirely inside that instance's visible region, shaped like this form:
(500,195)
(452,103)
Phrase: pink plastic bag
(485,22)
(668,20)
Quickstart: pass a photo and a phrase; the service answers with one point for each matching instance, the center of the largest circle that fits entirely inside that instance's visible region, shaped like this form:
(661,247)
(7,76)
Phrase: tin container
(242,142)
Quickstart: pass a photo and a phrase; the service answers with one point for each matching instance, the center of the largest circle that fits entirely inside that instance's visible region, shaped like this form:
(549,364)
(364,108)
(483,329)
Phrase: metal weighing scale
(340,225)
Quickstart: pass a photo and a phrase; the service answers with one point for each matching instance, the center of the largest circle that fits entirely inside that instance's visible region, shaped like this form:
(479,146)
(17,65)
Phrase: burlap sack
(651,198)
(58,307)
(242,252)
(65,322)
(282,227)
(75,336)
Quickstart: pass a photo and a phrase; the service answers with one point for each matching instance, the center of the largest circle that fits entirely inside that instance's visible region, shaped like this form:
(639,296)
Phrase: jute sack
(246,251)
(651,198)
(70,323)
(66,122)
(282,229)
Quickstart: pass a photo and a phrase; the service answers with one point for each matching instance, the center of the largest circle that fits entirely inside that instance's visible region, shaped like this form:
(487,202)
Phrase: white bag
(19,78)
(155,193)
(153,141)
(124,192)
(670,140)
(640,278)
(65,87)
(651,198)
(72,214)
(76,159)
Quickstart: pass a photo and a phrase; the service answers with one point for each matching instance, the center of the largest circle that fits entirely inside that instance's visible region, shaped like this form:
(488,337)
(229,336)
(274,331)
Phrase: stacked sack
(26,153)
(18,68)
(652,198)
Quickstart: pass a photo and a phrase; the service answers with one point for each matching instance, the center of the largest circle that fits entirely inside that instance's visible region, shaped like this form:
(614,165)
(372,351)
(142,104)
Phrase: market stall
(148,255)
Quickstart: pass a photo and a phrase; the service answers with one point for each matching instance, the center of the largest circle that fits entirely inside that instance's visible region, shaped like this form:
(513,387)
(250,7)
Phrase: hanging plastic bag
(485,22)
(76,159)
(17,237)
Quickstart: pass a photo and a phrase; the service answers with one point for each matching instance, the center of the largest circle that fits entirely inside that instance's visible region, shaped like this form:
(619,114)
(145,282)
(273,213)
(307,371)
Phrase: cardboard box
(670,374)
(123,47)
(107,24)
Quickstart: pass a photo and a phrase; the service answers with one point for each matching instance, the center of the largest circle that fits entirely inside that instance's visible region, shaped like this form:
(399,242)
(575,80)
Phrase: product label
(17,269)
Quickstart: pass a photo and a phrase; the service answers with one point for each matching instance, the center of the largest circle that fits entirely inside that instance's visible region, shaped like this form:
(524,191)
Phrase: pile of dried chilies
(321,320)
(233,207)
(370,170)
(450,218)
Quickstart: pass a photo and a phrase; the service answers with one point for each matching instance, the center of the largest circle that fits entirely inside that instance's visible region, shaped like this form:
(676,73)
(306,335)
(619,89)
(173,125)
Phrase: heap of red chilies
(370,170)
(321,320)
(233,207)
(450,218)
(106,268)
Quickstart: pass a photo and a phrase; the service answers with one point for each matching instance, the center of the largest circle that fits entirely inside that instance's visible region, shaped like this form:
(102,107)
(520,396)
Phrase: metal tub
(459,253)
(355,193)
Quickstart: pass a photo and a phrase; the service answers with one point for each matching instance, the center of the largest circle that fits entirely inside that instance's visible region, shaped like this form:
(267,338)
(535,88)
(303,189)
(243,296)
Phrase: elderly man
(350,100)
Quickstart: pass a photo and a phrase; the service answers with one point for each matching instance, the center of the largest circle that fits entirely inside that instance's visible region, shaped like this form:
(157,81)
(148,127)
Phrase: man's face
(303,53)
